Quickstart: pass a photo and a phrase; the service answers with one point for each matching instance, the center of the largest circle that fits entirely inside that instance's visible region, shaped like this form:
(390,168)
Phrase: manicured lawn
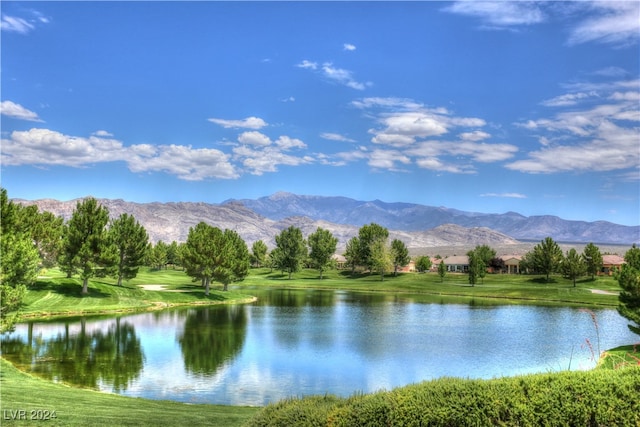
(56,295)
(496,288)
(80,407)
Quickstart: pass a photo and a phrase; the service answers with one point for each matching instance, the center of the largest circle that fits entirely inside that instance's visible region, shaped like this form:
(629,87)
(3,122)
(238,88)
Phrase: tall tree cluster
(211,254)
(629,280)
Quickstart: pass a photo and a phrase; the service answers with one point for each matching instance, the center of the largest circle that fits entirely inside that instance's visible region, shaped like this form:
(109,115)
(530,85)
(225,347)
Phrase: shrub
(594,398)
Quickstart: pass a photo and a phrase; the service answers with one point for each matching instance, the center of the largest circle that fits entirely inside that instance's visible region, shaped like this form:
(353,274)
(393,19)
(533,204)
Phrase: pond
(300,342)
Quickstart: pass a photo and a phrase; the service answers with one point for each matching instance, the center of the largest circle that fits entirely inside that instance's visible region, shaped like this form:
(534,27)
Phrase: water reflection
(212,337)
(298,342)
(89,357)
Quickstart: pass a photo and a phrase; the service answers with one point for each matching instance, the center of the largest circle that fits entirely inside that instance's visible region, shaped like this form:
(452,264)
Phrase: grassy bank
(79,407)
(55,295)
(500,288)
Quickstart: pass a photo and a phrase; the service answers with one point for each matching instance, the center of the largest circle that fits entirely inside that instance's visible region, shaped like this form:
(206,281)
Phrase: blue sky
(530,107)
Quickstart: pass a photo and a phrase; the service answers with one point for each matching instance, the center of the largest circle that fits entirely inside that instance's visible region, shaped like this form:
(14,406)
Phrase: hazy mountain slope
(171,221)
(414,217)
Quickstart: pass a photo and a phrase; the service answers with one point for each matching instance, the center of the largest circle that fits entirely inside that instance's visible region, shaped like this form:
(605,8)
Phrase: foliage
(86,247)
(323,246)
(629,280)
(573,266)
(380,257)
(593,259)
(130,240)
(292,250)
(157,255)
(258,253)
(599,397)
(367,236)
(399,254)
(423,264)
(213,254)
(442,270)
(477,267)
(18,262)
(545,258)
(352,253)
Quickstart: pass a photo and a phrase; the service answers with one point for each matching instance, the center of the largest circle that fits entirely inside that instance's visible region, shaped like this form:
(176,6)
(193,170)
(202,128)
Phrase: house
(340,261)
(409,268)
(511,263)
(455,264)
(610,263)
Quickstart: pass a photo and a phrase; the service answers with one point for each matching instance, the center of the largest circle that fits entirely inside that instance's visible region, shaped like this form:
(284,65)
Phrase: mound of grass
(594,398)
(38,399)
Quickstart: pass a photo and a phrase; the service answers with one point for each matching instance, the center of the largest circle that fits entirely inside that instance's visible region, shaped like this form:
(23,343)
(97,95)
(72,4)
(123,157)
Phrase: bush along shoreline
(601,397)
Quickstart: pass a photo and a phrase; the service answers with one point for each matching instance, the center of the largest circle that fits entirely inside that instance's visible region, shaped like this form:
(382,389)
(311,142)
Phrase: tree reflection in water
(212,336)
(90,359)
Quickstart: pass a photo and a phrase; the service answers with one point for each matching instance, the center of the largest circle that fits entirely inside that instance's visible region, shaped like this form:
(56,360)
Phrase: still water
(299,342)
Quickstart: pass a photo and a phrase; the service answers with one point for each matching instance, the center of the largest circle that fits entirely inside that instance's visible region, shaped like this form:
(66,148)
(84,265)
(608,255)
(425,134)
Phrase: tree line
(90,244)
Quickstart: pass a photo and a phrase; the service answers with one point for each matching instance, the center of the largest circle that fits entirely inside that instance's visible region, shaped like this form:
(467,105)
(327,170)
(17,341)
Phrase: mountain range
(418,226)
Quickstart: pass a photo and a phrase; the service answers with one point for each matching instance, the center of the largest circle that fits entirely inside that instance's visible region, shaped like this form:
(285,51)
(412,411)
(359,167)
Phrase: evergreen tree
(86,248)
(18,262)
(593,259)
(130,240)
(258,253)
(545,257)
(573,266)
(629,280)
(323,246)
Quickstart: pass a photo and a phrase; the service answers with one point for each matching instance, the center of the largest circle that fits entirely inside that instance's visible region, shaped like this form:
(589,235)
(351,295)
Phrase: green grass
(81,407)
(55,295)
(620,357)
(496,288)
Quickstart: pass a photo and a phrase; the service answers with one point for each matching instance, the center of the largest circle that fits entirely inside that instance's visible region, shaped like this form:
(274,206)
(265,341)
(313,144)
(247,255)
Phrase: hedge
(592,398)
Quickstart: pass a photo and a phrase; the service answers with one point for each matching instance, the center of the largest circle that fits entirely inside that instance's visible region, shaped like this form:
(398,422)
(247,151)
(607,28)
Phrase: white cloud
(500,14)
(476,135)
(187,163)
(248,123)
(51,148)
(612,22)
(337,75)
(342,76)
(47,147)
(254,138)
(309,65)
(568,99)
(349,47)
(287,143)
(335,137)
(435,164)
(402,104)
(17,111)
(505,195)
(13,24)
(387,159)
(611,147)
(267,159)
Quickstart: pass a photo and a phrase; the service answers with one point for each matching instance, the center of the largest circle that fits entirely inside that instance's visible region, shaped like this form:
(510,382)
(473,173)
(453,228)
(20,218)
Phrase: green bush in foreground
(594,398)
